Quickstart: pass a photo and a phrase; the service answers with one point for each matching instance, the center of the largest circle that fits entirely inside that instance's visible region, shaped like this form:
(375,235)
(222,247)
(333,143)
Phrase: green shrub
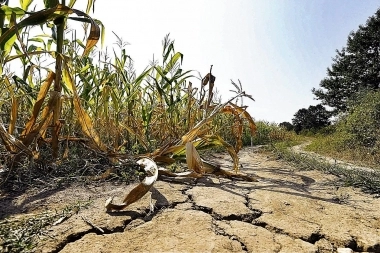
(267,133)
(362,122)
(356,135)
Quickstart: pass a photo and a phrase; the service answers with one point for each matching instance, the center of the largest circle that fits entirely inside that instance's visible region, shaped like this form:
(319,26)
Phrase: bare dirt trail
(286,211)
(300,149)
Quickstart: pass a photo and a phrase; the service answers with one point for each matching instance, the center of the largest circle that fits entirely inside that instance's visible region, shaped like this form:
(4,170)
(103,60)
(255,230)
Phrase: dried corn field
(96,156)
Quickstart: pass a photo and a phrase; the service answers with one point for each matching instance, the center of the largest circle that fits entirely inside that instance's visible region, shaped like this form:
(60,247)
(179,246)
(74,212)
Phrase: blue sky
(279,49)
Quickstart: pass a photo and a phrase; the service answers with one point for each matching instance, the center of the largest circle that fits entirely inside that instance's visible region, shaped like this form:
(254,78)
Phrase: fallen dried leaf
(140,190)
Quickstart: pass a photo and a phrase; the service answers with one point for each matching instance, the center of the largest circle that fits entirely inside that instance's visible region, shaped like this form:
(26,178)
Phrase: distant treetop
(355,68)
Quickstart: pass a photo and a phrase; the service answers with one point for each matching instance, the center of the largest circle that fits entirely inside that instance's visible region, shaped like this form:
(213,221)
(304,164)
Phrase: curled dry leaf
(139,191)
(194,161)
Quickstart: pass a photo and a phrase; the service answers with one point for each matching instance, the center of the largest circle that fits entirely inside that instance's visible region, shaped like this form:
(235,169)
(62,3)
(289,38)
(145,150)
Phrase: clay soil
(287,210)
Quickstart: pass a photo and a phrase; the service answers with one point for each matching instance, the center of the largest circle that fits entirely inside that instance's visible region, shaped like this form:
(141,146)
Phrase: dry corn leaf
(218,141)
(12,123)
(11,143)
(209,168)
(94,35)
(209,78)
(30,130)
(193,160)
(38,104)
(244,114)
(140,190)
(83,118)
(44,123)
(216,170)
(164,159)
(194,132)
(140,137)
(237,128)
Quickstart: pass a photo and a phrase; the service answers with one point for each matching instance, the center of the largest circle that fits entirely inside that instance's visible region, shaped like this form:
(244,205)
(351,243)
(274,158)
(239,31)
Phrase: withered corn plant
(66,92)
(44,99)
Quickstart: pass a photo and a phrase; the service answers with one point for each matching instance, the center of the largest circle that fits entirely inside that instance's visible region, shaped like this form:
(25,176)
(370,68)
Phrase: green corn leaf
(37,40)
(85,68)
(177,56)
(72,2)
(89,4)
(169,49)
(7,11)
(163,76)
(115,99)
(27,74)
(80,43)
(33,48)
(143,75)
(25,4)
(50,3)
(49,44)
(9,44)
(17,49)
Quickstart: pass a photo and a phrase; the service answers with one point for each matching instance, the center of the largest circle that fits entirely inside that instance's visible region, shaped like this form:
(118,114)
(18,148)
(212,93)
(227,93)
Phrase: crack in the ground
(72,238)
(312,238)
(189,196)
(374,248)
(353,244)
(77,236)
(145,215)
(246,217)
(255,212)
(220,231)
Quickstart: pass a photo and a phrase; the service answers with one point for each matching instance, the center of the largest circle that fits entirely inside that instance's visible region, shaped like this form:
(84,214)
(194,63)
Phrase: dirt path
(286,211)
(300,149)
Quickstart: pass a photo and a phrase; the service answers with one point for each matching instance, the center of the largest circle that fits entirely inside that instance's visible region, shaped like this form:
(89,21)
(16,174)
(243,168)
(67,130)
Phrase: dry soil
(286,211)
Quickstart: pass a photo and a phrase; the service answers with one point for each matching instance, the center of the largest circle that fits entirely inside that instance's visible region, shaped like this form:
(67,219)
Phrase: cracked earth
(286,211)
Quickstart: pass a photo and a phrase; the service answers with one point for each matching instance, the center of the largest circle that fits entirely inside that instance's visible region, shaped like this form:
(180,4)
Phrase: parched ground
(286,211)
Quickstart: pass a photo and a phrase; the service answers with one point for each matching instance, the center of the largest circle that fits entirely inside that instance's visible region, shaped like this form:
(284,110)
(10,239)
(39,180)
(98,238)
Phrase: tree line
(353,75)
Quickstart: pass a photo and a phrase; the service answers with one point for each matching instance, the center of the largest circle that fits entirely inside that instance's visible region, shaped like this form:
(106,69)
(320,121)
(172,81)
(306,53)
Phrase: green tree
(355,68)
(313,118)
(287,125)
(361,124)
